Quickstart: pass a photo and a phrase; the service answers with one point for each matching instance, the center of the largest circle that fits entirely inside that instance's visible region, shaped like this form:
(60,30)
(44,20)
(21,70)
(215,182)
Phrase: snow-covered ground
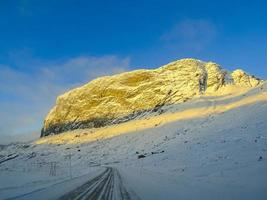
(217,155)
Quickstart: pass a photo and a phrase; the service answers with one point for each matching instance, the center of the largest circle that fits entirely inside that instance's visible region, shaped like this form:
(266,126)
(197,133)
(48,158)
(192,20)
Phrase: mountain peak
(122,97)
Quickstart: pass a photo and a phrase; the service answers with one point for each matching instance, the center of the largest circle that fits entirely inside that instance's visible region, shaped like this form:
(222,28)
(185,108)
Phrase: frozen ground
(220,155)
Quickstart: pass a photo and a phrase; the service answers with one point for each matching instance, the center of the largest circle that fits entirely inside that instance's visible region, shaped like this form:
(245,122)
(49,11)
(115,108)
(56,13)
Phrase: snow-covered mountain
(114,99)
(213,146)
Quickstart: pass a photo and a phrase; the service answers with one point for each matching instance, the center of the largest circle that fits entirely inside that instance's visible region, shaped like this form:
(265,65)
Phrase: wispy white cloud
(27,95)
(191,34)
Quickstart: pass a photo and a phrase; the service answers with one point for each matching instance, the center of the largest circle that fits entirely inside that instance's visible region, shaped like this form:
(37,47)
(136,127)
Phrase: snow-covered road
(106,186)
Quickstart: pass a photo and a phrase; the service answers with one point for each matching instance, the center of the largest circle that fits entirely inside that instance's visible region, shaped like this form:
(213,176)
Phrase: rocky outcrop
(118,98)
(242,79)
(215,76)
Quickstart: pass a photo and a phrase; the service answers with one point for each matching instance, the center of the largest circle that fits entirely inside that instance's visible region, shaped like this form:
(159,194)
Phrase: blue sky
(47,47)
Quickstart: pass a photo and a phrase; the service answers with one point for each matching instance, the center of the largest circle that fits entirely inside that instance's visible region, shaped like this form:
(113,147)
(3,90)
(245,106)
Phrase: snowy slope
(221,154)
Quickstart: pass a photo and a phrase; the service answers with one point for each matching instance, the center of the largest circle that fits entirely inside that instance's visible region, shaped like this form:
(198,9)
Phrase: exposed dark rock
(141,156)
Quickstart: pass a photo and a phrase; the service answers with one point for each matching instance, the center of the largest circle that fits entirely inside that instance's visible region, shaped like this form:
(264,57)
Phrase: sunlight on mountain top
(105,99)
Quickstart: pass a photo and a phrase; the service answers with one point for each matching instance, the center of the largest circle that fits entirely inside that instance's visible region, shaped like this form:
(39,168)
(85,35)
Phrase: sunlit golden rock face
(121,97)
(241,78)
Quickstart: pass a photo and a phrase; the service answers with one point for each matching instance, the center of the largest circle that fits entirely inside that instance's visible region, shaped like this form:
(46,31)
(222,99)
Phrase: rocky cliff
(118,98)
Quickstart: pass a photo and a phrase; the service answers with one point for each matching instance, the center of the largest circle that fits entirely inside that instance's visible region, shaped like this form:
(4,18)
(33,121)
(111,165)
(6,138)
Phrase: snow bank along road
(106,186)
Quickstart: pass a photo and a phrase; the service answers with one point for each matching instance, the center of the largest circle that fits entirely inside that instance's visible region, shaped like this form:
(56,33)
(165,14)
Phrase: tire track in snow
(107,186)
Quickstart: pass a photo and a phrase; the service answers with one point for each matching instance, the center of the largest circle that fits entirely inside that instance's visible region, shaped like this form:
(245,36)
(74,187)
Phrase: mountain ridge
(119,98)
